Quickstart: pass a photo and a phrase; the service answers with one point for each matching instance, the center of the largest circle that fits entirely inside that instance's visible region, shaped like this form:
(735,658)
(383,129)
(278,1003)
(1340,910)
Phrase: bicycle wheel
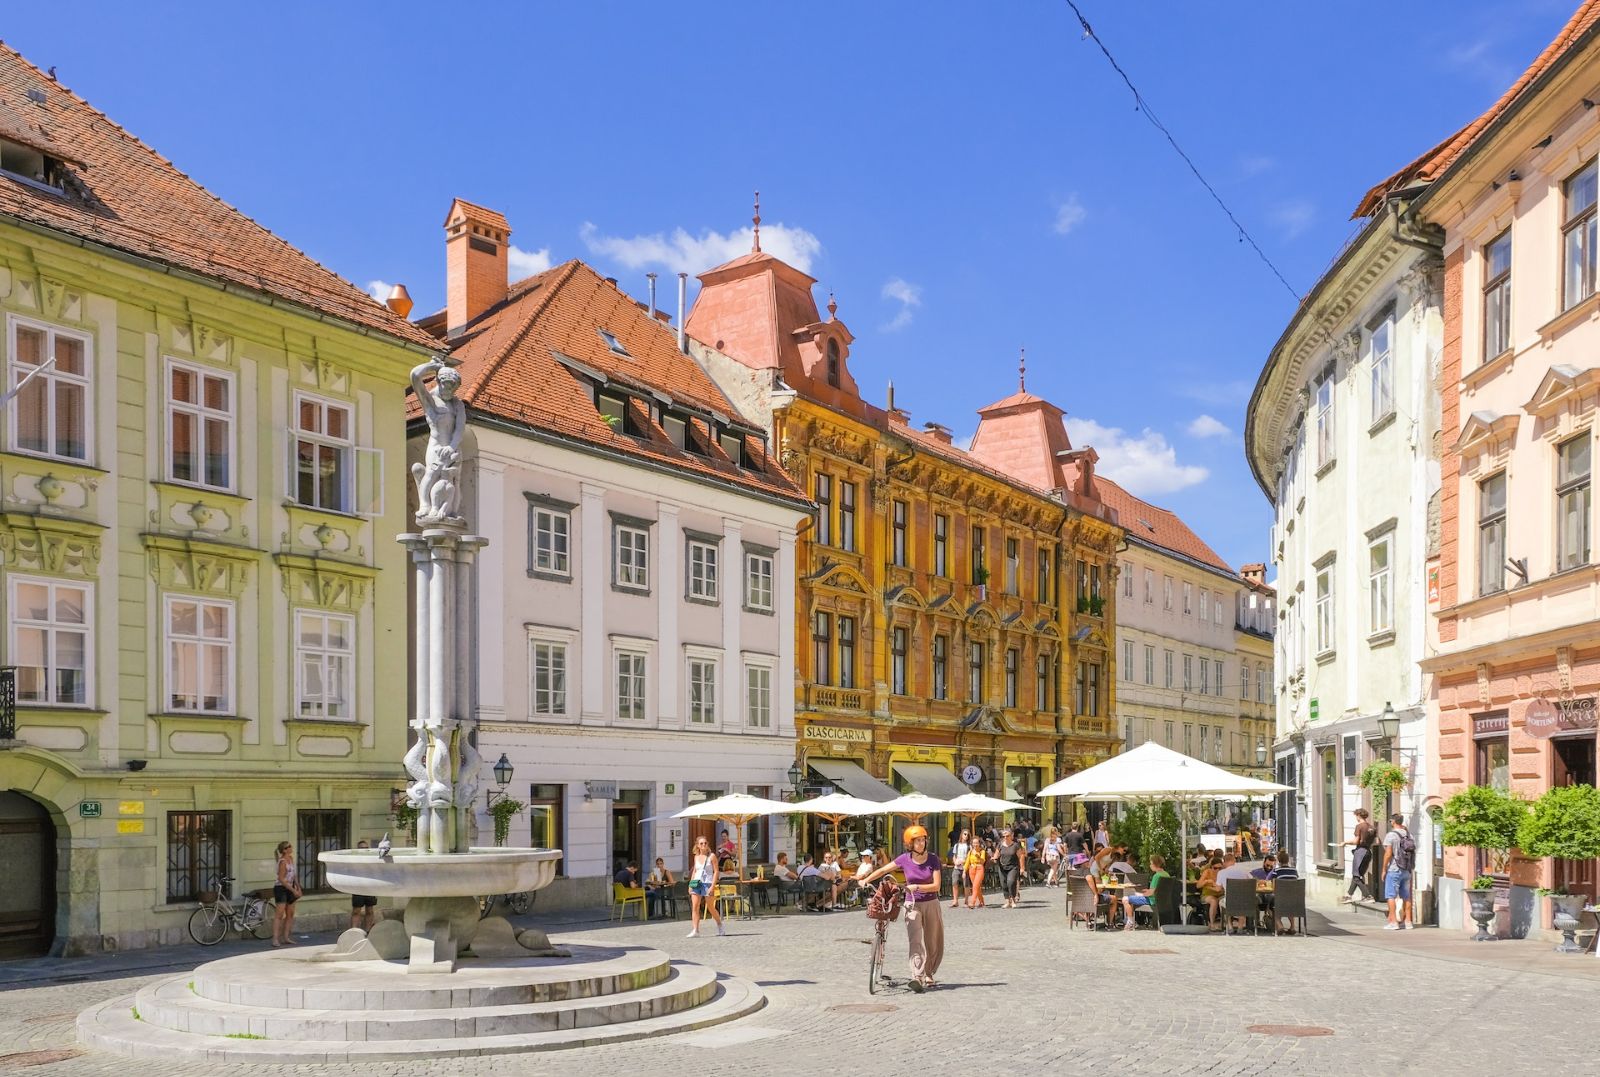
(261,927)
(875,965)
(207,925)
(518,903)
(485,906)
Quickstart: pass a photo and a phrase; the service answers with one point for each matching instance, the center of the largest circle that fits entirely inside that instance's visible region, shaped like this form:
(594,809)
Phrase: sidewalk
(1360,927)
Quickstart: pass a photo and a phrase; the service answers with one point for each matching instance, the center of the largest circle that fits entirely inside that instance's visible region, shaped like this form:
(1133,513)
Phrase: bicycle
(210,923)
(517,904)
(883,908)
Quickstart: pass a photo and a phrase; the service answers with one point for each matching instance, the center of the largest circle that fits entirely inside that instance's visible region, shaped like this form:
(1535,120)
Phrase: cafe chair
(728,895)
(1081,904)
(1166,901)
(669,897)
(813,888)
(623,896)
(1239,901)
(1289,903)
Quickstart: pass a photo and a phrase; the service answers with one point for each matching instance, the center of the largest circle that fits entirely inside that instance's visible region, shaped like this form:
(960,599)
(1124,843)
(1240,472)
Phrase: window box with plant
(1483,818)
(1382,778)
(1563,824)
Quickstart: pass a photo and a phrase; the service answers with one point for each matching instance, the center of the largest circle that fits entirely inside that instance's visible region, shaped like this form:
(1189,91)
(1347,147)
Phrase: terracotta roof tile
(124,195)
(1431,165)
(511,368)
(1158,526)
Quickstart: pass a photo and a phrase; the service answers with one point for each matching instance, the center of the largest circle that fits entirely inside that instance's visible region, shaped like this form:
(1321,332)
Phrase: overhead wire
(1142,105)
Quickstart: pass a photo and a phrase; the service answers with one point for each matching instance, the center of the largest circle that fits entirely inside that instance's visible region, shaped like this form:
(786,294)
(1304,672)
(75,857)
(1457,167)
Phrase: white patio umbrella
(913,805)
(1152,774)
(835,807)
(736,808)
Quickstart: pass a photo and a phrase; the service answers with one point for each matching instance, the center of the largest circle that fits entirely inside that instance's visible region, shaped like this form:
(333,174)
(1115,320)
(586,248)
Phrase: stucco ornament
(438,475)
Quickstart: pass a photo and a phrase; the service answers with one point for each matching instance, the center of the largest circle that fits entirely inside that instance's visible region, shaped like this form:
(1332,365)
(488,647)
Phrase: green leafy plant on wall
(502,811)
(405,817)
(1148,830)
(1564,823)
(1482,817)
(1382,776)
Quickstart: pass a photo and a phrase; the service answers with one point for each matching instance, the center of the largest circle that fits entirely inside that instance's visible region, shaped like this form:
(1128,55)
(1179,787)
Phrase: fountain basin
(408,873)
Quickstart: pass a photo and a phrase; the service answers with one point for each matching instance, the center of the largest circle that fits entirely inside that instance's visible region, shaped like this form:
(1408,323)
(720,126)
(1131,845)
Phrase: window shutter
(369,482)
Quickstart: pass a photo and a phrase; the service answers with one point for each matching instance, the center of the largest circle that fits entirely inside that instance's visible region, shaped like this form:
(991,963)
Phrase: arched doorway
(28,884)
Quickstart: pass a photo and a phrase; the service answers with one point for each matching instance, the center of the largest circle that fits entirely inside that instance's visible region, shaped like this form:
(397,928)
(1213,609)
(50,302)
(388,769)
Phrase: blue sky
(968,179)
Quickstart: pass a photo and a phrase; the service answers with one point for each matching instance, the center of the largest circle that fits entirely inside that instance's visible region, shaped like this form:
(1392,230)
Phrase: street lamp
(502,776)
(1261,751)
(795,777)
(1389,723)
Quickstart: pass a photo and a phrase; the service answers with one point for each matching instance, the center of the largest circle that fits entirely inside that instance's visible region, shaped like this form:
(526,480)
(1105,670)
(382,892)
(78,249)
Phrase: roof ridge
(564,273)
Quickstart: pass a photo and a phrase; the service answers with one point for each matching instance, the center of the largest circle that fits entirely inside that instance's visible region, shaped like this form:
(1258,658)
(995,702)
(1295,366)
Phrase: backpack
(1405,853)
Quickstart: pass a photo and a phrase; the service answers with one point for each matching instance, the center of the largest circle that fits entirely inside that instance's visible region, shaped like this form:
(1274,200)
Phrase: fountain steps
(483,1011)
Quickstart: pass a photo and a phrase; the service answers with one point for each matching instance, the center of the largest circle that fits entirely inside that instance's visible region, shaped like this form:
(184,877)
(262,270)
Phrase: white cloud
(1255,165)
(908,295)
(379,289)
(1069,215)
(521,263)
(1204,426)
(682,252)
(1145,463)
(1293,217)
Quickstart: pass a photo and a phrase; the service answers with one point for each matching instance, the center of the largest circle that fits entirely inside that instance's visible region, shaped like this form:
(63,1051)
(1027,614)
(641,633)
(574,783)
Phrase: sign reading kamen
(838,732)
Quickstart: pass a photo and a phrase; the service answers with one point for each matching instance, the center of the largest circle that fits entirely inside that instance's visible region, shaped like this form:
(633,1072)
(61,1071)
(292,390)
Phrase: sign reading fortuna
(839,732)
(1546,717)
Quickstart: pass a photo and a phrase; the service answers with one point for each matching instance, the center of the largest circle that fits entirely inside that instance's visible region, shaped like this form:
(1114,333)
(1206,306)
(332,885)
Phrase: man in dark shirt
(627,875)
(1074,840)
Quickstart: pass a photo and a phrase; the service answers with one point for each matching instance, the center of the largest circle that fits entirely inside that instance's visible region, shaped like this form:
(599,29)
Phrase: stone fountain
(494,989)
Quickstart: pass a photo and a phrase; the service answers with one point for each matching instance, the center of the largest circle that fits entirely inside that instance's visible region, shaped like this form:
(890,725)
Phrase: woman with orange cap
(924,919)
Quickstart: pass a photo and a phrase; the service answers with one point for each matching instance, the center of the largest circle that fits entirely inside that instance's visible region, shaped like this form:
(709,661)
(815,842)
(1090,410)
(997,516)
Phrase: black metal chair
(1289,903)
(1239,900)
(1166,901)
(813,888)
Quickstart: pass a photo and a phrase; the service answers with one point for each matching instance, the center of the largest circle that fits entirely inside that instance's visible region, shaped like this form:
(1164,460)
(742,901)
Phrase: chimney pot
(477,274)
(399,301)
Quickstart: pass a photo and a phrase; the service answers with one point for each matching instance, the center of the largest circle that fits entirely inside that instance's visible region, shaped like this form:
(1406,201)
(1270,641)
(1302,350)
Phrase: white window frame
(199,413)
(1323,399)
(49,378)
(1188,598)
(559,544)
(702,670)
(51,629)
(757,597)
(759,673)
(1325,623)
(1149,587)
(1167,669)
(1166,592)
(1217,671)
(1127,579)
(633,572)
(701,567)
(1188,673)
(561,704)
(1380,386)
(171,642)
(1127,660)
(356,454)
(1380,586)
(1205,608)
(1216,606)
(636,653)
(1205,676)
(325,654)
(1149,664)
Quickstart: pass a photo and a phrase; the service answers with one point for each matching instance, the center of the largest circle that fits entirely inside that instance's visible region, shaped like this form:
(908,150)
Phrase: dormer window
(26,163)
(614,409)
(613,343)
(677,429)
(733,447)
(833,363)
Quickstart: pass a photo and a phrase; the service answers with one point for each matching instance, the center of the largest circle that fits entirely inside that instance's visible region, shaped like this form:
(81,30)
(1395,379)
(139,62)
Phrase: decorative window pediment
(1486,432)
(50,545)
(179,564)
(323,583)
(1564,388)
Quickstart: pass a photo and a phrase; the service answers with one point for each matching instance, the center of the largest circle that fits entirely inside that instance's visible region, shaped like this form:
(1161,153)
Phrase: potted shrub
(1563,824)
(503,810)
(980,580)
(1482,817)
(1382,777)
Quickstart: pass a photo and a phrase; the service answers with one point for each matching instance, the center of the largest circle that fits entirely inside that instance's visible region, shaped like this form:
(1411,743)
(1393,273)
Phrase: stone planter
(1482,912)
(1567,910)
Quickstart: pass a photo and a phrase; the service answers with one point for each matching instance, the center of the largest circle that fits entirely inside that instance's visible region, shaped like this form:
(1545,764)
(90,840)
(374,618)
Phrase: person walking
(958,866)
(1360,855)
(285,892)
(924,919)
(1399,861)
(703,887)
(977,863)
(363,907)
(1052,855)
(1008,858)
(1102,837)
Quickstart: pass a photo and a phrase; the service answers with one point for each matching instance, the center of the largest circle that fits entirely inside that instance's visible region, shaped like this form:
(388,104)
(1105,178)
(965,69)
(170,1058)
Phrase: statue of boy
(438,474)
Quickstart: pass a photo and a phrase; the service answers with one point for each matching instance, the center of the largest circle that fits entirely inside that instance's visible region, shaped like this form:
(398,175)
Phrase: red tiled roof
(509,369)
(488,216)
(1157,526)
(1431,165)
(124,195)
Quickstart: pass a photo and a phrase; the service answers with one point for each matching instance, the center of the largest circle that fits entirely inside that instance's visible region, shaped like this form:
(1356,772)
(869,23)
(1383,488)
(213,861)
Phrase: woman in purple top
(924,919)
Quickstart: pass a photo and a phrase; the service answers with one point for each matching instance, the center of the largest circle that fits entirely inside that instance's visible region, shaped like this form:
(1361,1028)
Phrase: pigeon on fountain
(383,848)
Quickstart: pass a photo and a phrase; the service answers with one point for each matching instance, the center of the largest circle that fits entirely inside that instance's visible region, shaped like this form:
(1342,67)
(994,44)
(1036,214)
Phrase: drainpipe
(651,277)
(1401,228)
(683,302)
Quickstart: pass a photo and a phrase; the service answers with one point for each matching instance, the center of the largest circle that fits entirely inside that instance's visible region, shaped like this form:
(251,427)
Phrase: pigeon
(383,848)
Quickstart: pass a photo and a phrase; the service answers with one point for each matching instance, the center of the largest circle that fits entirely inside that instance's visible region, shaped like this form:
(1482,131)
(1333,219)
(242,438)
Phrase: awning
(853,779)
(932,779)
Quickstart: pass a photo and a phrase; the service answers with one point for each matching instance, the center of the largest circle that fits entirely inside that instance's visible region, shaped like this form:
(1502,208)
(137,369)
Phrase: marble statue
(438,475)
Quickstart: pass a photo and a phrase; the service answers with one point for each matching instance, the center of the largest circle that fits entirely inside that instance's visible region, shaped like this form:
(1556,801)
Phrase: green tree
(1149,830)
(1482,817)
(1564,823)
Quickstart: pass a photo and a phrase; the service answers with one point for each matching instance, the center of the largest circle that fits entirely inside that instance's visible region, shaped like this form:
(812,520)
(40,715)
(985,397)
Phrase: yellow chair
(725,896)
(623,896)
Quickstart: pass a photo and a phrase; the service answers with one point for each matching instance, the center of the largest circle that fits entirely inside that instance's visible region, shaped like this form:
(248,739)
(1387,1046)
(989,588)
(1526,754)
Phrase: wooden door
(625,837)
(28,884)
(1575,765)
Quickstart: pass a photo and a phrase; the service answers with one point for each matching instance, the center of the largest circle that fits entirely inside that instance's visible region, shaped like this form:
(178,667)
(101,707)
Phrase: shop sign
(130,826)
(1314,710)
(600,790)
(838,732)
(1545,718)
(88,809)
(130,807)
(971,774)
(1490,723)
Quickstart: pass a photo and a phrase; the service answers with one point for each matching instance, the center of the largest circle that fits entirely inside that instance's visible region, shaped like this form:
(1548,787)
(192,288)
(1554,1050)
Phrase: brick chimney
(1254,573)
(476,243)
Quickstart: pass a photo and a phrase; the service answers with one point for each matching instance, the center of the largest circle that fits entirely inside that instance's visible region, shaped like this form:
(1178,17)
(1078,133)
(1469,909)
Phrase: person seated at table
(726,849)
(863,869)
(728,870)
(1232,868)
(1124,863)
(1285,868)
(808,870)
(829,870)
(1199,856)
(627,875)
(1264,872)
(1211,890)
(656,885)
(1139,898)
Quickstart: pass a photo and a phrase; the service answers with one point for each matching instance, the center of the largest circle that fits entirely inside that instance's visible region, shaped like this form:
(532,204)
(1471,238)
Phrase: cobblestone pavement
(1038,997)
